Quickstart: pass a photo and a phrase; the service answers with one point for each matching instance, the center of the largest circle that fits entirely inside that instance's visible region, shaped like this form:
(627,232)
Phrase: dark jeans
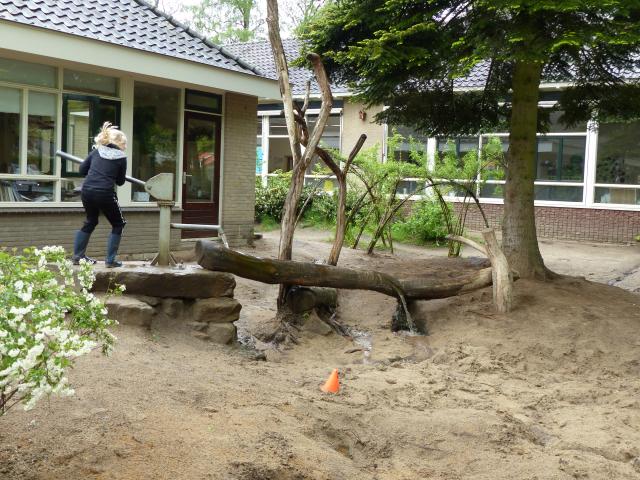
(96,201)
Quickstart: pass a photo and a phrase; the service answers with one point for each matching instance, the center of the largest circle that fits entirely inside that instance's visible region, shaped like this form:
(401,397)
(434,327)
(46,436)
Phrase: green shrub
(270,199)
(322,210)
(425,224)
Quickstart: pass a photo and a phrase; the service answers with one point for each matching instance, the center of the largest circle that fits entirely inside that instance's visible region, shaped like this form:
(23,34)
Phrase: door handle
(184,177)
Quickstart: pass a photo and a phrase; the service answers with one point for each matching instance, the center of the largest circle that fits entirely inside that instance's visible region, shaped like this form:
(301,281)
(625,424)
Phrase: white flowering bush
(48,317)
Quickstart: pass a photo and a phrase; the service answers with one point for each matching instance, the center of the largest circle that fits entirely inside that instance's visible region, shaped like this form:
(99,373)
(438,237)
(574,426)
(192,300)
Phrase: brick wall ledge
(52,210)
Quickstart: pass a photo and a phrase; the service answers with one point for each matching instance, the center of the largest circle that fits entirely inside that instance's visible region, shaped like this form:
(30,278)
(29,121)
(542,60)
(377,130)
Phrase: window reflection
(41,133)
(619,153)
(560,158)
(155,133)
(10,101)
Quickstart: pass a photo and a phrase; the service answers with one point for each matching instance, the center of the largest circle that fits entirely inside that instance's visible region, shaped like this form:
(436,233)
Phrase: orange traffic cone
(332,385)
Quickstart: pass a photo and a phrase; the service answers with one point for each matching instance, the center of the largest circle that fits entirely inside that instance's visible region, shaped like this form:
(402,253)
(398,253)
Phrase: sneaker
(76,260)
(115,264)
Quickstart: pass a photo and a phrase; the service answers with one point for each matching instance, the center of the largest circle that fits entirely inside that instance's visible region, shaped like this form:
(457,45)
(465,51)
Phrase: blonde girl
(104,168)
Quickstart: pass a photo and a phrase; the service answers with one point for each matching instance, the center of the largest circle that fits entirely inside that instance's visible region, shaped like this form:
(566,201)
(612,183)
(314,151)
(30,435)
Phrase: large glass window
(155,133)
(83,117)
(90,83)
(560,158)
(41,133)
(618,153)
(27,73)
(26,190)
(10,102)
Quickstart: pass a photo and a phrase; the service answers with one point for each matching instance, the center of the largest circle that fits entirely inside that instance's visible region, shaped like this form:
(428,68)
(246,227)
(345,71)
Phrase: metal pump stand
(160,187)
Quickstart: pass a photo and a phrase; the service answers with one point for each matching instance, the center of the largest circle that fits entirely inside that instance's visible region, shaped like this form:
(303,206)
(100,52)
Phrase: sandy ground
(550,391)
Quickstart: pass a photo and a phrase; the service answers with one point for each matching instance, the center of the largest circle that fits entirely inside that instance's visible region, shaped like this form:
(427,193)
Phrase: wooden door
(201,175)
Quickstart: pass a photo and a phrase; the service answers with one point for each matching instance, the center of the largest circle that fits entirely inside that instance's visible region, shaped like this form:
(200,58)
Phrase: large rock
(129,311)
(216,310)
(190,282)
(222,333)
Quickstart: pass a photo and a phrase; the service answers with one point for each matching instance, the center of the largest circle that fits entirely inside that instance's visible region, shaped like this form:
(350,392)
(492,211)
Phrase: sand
(549,391)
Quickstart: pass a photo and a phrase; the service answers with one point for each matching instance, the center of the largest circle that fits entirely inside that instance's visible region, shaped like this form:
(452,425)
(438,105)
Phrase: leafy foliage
(47,319)
(425,224)
(411,55)
(226,21)
(270,199)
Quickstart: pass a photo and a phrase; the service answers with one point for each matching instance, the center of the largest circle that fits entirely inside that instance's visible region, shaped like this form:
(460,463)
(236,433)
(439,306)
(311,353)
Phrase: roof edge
(202,38)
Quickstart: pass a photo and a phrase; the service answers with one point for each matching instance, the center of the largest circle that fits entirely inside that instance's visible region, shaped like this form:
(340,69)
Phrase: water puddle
(364,340)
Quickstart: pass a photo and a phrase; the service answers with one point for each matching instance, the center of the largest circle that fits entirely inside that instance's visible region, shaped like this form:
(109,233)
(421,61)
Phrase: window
(277,126)
(155,133)
(559,160)
(556,127)
(15,71)
(83,115)
(90,83)
(10,106)
(25,190)
(410,140)
(203,102)
(330,140)
(460,145)
(38,159)
(619,153)
(280,157)
(623,196)
(41,136)
(618,163)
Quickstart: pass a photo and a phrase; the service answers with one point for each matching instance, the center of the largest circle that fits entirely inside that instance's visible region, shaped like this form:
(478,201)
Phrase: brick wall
(41,227)
(239,169)
(586,224)
(353,127)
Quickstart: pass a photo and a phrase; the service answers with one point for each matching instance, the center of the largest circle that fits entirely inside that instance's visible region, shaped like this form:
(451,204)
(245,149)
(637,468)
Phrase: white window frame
(266,115)
(588,184)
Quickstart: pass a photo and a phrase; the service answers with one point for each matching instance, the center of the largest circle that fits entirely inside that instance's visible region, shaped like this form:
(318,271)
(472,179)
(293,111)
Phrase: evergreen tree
(411,54)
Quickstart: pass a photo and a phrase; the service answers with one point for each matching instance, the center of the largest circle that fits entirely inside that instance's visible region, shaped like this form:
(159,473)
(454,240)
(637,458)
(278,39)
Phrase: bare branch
(283,77)
(469,243)
(354,152)
(307,94)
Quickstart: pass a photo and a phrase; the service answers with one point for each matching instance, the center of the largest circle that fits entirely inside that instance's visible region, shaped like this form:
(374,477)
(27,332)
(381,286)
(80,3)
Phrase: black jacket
(105,167)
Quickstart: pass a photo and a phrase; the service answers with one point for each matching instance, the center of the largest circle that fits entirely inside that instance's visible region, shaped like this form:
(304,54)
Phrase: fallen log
(213,256)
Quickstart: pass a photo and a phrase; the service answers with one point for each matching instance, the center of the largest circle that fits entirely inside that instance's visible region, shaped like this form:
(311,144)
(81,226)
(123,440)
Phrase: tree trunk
(212,256)
(341,219)
(519,240)
(300,160)
(501,275)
